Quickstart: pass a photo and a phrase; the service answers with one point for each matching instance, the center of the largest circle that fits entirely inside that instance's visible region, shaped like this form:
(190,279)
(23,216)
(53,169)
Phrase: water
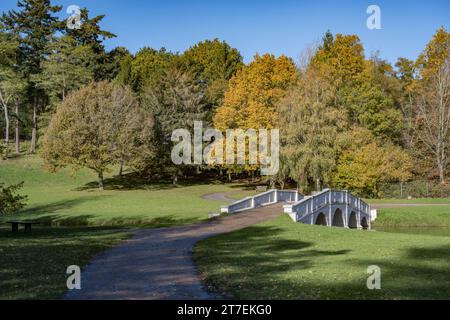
(439,232)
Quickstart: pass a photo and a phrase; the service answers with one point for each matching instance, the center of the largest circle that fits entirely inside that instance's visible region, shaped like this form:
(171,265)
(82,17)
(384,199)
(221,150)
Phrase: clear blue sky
(259,26)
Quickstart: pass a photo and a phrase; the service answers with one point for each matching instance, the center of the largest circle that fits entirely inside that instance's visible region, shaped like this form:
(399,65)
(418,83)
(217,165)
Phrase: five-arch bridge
(333,208)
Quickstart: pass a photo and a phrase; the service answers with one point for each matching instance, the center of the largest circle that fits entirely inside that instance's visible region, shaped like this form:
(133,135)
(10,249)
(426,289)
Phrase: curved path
(220,196)
(157,263)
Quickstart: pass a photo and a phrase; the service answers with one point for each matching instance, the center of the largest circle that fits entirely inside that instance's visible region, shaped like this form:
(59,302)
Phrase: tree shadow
(33,265)
(262,265)
(58,205)
(133,181)
(422,273)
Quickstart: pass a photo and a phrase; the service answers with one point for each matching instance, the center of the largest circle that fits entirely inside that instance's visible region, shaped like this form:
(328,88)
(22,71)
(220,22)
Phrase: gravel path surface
(157,263)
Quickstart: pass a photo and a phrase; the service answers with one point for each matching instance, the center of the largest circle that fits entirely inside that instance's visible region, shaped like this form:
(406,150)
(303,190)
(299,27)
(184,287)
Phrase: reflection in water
(440,232)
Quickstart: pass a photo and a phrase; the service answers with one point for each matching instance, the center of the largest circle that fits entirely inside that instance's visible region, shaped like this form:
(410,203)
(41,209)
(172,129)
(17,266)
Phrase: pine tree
(33,25)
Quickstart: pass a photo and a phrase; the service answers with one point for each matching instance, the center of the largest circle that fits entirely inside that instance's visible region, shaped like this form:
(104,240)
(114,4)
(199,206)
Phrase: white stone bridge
(332,208)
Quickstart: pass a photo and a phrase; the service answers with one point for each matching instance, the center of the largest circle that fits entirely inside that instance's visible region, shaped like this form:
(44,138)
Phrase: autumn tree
(309,129)
(432,102)
(98,126)
(366,163)
(252,96)
(342,57)
(250,101)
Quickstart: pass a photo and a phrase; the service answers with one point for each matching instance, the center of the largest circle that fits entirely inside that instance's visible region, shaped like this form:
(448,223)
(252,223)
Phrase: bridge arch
(321,220)
(364,223)
(353,221)
(338,219)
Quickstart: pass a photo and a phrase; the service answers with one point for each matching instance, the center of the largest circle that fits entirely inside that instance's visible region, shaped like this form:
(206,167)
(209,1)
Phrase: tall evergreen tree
(33,25)
(213,63)
(175,101)
(90,33)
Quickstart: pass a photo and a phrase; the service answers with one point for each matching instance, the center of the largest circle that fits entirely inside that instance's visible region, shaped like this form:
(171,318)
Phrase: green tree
(176,100)
(90,33)
(213,63)
(11,82)
(369,105)
(148,67)
(309,128)
(98,126)
(68,66)
(33,25)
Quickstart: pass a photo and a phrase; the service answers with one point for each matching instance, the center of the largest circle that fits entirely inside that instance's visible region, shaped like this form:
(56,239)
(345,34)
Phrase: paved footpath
(157,263)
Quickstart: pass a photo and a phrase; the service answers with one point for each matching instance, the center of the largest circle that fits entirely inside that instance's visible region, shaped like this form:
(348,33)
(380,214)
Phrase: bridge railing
(264,199)
(312,204)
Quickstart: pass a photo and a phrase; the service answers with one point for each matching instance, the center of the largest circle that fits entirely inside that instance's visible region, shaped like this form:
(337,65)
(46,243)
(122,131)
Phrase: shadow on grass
(33,266)
(134,182)
(255,273)
(59,205)
(422,273)
(255,263)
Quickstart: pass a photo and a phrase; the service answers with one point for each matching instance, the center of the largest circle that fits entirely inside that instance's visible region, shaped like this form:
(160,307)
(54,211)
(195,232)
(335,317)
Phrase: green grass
(238,195)
(33,266)
(412,201)
(280,259)
(62,199)
(431,216)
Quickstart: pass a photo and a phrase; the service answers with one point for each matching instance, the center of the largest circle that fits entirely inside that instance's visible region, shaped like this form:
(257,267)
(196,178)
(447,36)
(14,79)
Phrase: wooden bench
(26,224)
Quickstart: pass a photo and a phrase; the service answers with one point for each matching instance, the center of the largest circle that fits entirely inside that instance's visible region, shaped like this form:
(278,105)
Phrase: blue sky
(279,27)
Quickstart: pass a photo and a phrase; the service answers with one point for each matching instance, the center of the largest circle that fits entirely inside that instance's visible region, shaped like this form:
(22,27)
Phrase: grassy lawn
(33,266)
(412,201)
(62,199)
(433,216)
(285,260)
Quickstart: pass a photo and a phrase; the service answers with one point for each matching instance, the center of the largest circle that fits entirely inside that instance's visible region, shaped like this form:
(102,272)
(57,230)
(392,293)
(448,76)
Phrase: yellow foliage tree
(253,93)
(365,163)
(251,99)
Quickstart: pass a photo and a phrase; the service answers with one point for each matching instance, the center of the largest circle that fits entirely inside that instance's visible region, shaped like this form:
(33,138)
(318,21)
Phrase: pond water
(439,232)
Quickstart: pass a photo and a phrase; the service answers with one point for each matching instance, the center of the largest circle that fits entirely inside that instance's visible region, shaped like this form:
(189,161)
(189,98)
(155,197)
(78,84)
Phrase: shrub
(10,202)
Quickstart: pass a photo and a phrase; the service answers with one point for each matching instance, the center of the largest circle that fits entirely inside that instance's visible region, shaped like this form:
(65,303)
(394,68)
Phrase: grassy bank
(431,216)
(284,260)
(412,201)
(62,199)
(33,266)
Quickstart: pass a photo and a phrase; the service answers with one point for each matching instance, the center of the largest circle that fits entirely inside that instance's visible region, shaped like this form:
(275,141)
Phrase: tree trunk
(5,109)
(441,173)
(175,179)
(34,130)
(17,130)
(121,169)
(100,181)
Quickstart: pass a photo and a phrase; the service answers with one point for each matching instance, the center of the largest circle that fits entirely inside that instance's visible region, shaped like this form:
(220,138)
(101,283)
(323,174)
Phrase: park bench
(26,224)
